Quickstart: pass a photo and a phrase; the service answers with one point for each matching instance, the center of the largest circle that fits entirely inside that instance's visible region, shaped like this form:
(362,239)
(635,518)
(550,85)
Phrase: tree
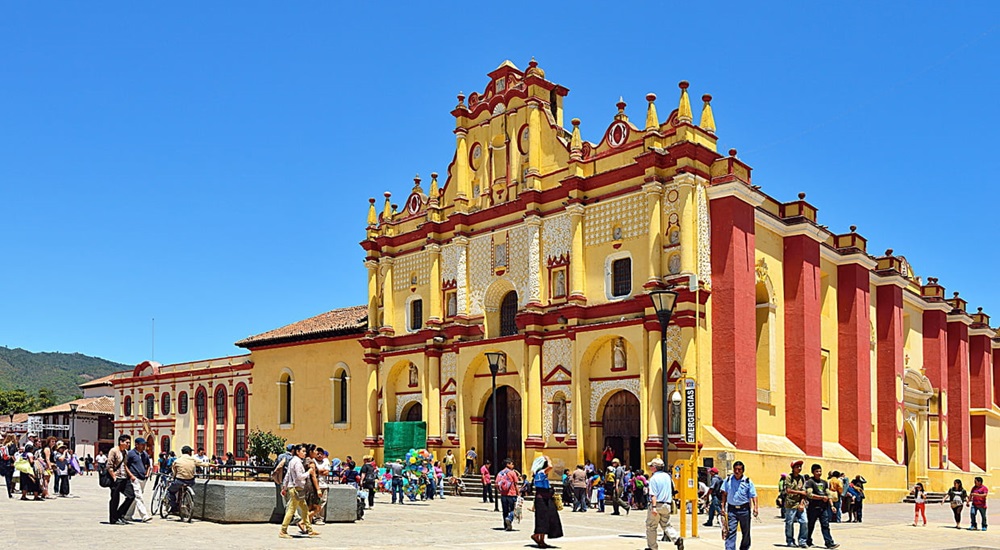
(45,399)
(261,445)
(15,401)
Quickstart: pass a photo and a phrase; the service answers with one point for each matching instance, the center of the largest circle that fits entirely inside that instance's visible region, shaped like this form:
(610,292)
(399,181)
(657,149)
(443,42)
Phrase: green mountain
(59,372)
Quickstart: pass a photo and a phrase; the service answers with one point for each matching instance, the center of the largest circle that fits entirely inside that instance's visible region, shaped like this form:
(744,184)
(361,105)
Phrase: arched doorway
(415,413)
(909,453)
(620,423)
(508,428)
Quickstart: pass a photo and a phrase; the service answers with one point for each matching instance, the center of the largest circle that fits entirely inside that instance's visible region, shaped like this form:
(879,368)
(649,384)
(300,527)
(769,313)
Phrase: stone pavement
(454,522)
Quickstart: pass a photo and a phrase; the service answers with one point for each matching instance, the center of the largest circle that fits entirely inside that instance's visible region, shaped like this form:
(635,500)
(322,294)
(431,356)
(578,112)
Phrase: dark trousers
(487,492)
(741,517)
(713,509)
(122,487)
(447,469)
(858,508)
(616,499)
(507,504)
(371,496)
(822,513)
(397,488)
(8,476)
(62,485)
(580,499)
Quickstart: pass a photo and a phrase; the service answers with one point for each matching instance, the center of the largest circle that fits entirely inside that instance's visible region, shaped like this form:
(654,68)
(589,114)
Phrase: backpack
(610,478)
(504,483)
(4,454)
(278,473)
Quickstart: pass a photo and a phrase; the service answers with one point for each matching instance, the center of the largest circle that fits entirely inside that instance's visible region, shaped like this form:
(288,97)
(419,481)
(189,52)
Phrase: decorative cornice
(736,189)
(883,280)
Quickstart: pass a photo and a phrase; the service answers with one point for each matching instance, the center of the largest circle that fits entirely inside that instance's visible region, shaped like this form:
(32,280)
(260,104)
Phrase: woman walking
(919,503)
(957,497)
(547,521)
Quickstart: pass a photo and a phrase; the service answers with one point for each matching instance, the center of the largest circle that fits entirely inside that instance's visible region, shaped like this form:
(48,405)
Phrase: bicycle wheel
(156,501)
(186,504)
(164,504)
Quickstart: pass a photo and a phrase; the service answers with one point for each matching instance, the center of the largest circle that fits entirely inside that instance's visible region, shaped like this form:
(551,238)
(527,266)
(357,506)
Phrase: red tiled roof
(93,405)
(347,320)
(102,381)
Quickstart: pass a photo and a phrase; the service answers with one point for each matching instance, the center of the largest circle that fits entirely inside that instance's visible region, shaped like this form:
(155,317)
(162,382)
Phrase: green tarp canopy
(400,437)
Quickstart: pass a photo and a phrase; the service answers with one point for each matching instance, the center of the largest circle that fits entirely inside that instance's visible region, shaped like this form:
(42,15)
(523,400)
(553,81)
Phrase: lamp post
(72,426)
(495,358)
(664,302)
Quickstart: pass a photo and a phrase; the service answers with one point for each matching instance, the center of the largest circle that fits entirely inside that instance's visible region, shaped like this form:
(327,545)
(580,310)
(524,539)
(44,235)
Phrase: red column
(803,354)
(889,367)
(854,360)
(996,377)
(936,368)
(734,355)
(980,392)
(958,394)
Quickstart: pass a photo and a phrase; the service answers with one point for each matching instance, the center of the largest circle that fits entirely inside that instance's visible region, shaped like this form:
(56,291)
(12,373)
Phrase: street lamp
(496,359)
(664,302)
(72,426)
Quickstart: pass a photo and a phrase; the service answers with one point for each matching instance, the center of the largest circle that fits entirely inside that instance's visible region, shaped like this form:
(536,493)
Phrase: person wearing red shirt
(487,488)
(977,498)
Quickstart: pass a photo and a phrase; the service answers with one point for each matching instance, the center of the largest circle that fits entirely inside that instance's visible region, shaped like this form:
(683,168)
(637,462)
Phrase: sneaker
(984,528)
(834,545)
(507,526)
(973,528)
(680,544)
(284,535)
(121,521)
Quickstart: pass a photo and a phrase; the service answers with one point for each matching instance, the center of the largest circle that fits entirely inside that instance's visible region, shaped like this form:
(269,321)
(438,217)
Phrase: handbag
(557,499)
(104,478)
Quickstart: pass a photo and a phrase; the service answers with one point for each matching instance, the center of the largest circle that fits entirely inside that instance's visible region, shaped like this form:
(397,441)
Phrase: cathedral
(537,250)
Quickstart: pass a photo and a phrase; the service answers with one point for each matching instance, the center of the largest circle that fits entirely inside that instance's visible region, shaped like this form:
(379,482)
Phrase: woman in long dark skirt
(547,521)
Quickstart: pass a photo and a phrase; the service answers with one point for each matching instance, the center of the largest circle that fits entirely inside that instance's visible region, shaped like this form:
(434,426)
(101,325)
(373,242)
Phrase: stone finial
(854,228)
(888,252)
(652,121)
(434,191)
(416,185)
(802,196)
(372,214)
(461,101)
(576,143)
(387,209)
(621,109)
(707,118)
(732,153)
(533,69)
(684,108)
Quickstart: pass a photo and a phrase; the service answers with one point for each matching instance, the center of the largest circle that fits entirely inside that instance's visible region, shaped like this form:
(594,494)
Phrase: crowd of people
(40,468)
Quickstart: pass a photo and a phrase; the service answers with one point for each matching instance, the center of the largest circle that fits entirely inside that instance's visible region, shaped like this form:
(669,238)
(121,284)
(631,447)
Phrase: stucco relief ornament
(618,355)
(761,270)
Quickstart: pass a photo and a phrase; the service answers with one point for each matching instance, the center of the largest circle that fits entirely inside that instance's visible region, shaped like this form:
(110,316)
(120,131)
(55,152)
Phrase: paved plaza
(454,522)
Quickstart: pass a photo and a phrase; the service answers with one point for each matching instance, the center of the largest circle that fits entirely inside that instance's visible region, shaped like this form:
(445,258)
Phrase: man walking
(714,486)
(578,480)
(470,461)
(484,474)
(138,464)
(121,481)
(396,469)
(508,484)
(819,506)
(737,497)
(977,499)
(369,478)
(795,506)
(293,485)
(661,495)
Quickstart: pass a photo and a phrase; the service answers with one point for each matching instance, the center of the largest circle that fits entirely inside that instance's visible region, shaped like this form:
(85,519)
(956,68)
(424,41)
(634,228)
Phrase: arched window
(765,324)
(508,310)
(182,403)
(165,404)
(220,421)
(240,435)
(201,417)
(127,407)
(285,398)
(165,444)
(560,420)
(150,406)
(340,396)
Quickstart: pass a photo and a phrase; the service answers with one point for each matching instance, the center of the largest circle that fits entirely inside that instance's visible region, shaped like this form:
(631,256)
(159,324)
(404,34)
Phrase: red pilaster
(803,353)
(996,377)
(980,393)
(854,355)
(889,366)
(936,369)
(958,394)
(734,357)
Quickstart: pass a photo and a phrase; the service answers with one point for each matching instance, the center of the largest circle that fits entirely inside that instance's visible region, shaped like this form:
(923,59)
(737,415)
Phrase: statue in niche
(452,307)
(619,358)
(451,419)
(413,376)
(559,284)
(559,416)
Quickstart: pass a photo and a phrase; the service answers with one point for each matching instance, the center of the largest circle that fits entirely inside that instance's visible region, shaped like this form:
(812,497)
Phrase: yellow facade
(542,245)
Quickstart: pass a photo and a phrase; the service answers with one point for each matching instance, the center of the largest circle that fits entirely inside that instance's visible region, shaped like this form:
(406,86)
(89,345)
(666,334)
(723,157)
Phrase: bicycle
(158,492)
(185,501)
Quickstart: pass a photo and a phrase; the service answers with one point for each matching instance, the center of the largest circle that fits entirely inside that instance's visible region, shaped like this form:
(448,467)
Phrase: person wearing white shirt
(292,487)
(322,471)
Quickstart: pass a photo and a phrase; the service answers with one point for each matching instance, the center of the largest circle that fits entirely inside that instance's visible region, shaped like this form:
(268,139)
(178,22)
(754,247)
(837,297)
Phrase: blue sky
(209,165)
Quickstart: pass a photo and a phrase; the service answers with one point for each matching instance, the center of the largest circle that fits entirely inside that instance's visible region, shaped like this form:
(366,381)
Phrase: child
(920,503)
(600,498)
